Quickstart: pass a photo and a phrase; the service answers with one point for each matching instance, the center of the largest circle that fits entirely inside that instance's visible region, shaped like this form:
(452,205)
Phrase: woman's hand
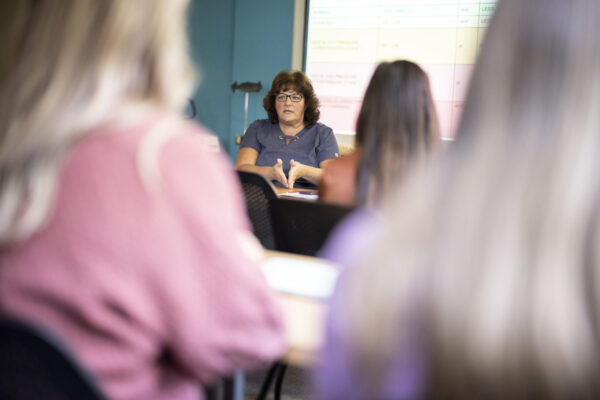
(279,175)
(296,171)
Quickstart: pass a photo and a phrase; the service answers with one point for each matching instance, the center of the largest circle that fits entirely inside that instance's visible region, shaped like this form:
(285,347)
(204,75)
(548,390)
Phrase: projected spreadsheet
(346,39)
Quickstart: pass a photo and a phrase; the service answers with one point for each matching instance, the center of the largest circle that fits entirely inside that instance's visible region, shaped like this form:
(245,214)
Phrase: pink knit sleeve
(220,313)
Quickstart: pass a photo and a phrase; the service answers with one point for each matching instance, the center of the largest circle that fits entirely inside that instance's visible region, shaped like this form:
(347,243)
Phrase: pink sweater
(151,290)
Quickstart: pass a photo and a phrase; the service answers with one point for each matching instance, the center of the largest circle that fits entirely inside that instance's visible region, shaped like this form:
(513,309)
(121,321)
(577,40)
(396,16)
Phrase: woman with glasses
(290,144)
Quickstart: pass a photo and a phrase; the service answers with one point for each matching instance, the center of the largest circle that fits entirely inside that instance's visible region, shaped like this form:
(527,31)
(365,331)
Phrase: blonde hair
(75,65)
(490,257)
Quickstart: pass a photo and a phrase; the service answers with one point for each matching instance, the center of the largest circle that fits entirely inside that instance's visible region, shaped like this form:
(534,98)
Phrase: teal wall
(237,40)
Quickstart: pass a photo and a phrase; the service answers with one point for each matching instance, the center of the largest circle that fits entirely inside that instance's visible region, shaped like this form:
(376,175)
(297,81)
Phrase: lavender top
(338,375)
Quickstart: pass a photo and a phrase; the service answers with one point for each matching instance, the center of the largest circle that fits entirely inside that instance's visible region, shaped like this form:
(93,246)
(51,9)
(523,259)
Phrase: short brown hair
(300,82)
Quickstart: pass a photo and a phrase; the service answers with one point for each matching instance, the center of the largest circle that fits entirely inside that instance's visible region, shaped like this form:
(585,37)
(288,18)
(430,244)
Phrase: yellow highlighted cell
(429,46)
(343,46)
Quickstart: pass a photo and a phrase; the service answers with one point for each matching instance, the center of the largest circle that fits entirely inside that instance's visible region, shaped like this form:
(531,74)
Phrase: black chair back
(258,191)
(33,365)
(302,226)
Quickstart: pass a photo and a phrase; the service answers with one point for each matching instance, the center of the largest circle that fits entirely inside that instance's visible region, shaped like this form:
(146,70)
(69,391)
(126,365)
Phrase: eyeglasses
(296,98)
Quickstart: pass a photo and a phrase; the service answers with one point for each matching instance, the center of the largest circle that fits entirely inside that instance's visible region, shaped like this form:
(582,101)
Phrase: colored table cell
(487,8)
(466,45)
(468,9)
(342,46)
(467,21)
(440,80)
(444,112)
(484,20)
(460,81)
(340,113)
(426,46)
(334,79)
(420,10)
(444,21)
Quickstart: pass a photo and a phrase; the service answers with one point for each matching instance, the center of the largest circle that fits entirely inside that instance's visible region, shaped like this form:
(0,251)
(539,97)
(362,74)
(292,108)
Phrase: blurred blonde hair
(490,262)
(74,65)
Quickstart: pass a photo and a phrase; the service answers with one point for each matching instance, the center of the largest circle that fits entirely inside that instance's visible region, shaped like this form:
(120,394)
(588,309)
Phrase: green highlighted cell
(487,9)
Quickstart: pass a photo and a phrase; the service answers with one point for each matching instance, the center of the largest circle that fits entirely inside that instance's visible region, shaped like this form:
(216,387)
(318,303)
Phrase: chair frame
(257,206)
(302,226)
(30,354)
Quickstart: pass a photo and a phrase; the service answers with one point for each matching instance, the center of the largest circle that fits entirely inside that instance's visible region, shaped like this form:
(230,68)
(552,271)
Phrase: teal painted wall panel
(237,40)
(262,48)
(210,31)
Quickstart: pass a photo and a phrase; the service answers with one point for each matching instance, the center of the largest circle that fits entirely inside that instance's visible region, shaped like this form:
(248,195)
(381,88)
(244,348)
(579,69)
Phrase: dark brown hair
(396,126)
(299,82)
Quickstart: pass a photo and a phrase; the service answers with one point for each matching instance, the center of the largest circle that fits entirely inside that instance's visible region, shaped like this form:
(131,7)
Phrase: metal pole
(245,111)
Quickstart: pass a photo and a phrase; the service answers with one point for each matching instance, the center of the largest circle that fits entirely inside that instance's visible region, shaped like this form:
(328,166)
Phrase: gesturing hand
(278,174)
(295,172)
